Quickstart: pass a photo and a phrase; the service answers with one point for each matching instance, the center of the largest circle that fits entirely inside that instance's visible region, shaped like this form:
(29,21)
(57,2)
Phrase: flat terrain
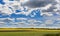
(28,32)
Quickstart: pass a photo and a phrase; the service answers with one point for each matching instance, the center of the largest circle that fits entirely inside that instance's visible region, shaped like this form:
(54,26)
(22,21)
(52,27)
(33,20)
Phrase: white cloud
(46,13)
(46,7)
(58,1)
(5,10)
(2,23)
(6,0)
(28,23)
(25,13)
(22,23)
(6,19)
(18,4)
(49,20)
(23,1)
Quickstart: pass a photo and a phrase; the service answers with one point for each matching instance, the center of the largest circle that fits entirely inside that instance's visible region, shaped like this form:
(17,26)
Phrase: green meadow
(29,32)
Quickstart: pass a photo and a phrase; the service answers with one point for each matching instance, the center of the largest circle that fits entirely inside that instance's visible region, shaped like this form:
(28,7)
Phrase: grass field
(29,32)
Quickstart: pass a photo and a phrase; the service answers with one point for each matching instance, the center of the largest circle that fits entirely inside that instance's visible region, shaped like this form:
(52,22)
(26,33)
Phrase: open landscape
(29,32)
(29,17)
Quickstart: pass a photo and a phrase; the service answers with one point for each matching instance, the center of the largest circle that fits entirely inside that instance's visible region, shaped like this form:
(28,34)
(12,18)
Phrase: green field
(25,33)
(29,32)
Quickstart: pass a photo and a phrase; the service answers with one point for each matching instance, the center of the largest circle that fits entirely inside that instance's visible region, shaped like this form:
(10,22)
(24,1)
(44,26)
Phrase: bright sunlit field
(28,32)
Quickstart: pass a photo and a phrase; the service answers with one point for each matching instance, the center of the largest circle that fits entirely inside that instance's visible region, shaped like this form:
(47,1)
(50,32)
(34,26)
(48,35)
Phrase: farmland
(28,32)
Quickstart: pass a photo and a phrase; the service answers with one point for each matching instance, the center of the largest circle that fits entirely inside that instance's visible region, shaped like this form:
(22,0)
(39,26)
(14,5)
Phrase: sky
(29,13)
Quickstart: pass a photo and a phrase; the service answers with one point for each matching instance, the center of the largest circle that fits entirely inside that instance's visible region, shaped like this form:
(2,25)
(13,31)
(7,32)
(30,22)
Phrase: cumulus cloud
(4,22)
(53,8)
(24,23)
(38,3)
(5,10)
(47,7)
(30,24)
(6,19)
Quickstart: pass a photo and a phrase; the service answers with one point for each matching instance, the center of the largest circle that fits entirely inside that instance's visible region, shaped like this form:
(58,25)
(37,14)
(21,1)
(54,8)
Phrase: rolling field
(28,32)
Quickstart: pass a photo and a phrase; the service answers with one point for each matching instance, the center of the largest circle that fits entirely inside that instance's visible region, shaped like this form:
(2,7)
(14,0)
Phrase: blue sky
(42,14)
